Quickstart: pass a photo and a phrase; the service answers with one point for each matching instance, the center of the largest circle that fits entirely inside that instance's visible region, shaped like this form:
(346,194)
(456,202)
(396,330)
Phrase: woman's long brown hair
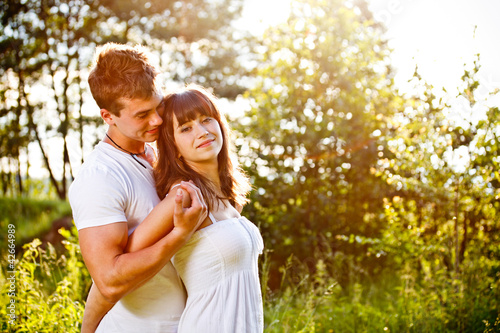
(186,105)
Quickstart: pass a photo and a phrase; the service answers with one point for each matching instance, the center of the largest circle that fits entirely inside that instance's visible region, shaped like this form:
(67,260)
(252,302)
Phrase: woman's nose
(202,131)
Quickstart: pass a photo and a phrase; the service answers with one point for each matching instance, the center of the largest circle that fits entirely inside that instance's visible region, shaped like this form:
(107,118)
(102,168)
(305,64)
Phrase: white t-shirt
(112,187)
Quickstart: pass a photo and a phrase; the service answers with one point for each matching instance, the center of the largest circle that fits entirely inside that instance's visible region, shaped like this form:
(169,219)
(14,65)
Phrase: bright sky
(258,14)
(437,35)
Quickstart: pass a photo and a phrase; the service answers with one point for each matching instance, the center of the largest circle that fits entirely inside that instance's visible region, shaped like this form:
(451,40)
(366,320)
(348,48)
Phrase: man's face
(139,119)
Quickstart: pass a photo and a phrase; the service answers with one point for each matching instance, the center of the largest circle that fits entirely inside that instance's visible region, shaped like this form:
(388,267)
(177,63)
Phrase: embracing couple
(160,231)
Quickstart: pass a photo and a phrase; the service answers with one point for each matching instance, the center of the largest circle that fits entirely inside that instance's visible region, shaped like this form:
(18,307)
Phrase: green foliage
(30,217)
(315,302)
(50,288)
(380,210)
(400,193)
(45,52)
(317,126)
(328,291)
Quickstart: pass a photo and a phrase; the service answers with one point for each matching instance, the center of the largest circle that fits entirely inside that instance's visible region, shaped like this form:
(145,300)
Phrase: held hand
(196,200)
(188,219)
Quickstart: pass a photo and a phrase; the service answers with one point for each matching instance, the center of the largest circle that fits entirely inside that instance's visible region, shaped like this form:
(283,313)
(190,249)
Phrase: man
(114,192)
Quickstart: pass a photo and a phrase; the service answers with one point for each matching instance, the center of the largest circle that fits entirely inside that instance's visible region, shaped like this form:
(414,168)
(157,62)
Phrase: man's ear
(108,117)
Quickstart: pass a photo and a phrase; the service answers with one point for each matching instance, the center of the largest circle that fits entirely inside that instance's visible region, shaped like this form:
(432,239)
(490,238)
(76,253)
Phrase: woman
(218,265)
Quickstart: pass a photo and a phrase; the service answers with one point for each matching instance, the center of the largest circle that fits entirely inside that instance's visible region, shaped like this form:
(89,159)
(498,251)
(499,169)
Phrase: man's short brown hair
(121,71)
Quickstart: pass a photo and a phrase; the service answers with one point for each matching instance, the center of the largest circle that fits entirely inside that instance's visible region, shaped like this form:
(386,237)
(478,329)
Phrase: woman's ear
(108,117)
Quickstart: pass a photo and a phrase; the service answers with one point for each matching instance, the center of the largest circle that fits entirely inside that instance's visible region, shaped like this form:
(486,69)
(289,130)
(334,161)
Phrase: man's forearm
(131,270)
(95,309)
(119,267)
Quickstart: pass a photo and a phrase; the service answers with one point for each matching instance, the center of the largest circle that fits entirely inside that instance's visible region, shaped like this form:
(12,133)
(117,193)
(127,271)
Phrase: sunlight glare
(260,14)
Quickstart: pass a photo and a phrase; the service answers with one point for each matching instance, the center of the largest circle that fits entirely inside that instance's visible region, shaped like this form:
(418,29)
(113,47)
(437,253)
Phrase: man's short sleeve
(97,198)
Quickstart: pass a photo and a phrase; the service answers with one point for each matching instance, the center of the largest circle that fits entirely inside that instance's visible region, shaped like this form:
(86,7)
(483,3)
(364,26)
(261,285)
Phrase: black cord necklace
(131,154)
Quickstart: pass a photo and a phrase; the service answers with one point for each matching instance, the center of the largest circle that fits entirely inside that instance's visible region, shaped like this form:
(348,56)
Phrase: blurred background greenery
(379,207)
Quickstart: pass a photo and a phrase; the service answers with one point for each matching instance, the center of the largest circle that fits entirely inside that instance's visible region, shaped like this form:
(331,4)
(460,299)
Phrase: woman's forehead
(184,117)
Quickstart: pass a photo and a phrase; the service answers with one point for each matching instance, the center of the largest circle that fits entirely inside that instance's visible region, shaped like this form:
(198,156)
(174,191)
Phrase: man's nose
(156,120)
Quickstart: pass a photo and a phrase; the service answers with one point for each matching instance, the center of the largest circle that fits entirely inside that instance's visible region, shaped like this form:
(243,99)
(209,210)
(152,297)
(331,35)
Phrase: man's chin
(151,136)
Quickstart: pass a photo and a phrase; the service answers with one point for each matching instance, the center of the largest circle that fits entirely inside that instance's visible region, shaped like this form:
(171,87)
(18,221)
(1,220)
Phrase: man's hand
(188,219)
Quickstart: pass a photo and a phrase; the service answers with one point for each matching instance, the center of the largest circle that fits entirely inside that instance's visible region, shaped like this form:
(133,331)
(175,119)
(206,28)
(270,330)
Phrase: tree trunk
(463,244)
(33,128)
(457,245)
(60,193)
(19,176)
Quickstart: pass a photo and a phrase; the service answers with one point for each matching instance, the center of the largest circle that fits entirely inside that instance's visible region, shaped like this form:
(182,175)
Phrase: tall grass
(326,293)
(313,301)
(49,288)
(44,286)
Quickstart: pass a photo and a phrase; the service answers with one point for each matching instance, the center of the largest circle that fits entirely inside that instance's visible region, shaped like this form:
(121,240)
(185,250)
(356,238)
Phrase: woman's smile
(206,143)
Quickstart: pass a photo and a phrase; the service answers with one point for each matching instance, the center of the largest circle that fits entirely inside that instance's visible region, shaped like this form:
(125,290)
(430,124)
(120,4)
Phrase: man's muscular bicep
(100,247)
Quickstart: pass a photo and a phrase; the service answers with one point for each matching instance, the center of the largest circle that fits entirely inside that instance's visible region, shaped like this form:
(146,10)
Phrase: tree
(317,127)
(443,168)
(441,235)
(46,49)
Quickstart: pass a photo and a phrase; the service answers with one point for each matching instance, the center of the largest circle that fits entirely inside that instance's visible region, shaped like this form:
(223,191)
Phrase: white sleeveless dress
(218,266)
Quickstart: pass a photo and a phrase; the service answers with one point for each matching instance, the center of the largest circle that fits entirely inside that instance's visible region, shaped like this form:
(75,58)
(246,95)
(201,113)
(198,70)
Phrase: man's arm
(97,306)
(116,272)
(95,309)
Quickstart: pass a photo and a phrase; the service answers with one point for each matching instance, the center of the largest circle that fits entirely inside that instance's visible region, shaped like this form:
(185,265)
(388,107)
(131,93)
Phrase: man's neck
(145,152)
(128,146)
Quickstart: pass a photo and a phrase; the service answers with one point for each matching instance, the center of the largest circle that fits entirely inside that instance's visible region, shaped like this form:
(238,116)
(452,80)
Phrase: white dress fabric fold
(219,268)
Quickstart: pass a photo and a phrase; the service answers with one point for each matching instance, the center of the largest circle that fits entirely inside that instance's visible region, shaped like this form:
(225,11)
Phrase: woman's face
(198,141)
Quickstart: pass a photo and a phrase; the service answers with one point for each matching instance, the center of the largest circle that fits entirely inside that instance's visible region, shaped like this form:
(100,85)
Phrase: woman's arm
(150,231)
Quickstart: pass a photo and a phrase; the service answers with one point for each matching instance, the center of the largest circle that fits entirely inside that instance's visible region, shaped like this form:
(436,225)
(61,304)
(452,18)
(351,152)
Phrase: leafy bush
(314,301)
(50,288)
(329,291)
